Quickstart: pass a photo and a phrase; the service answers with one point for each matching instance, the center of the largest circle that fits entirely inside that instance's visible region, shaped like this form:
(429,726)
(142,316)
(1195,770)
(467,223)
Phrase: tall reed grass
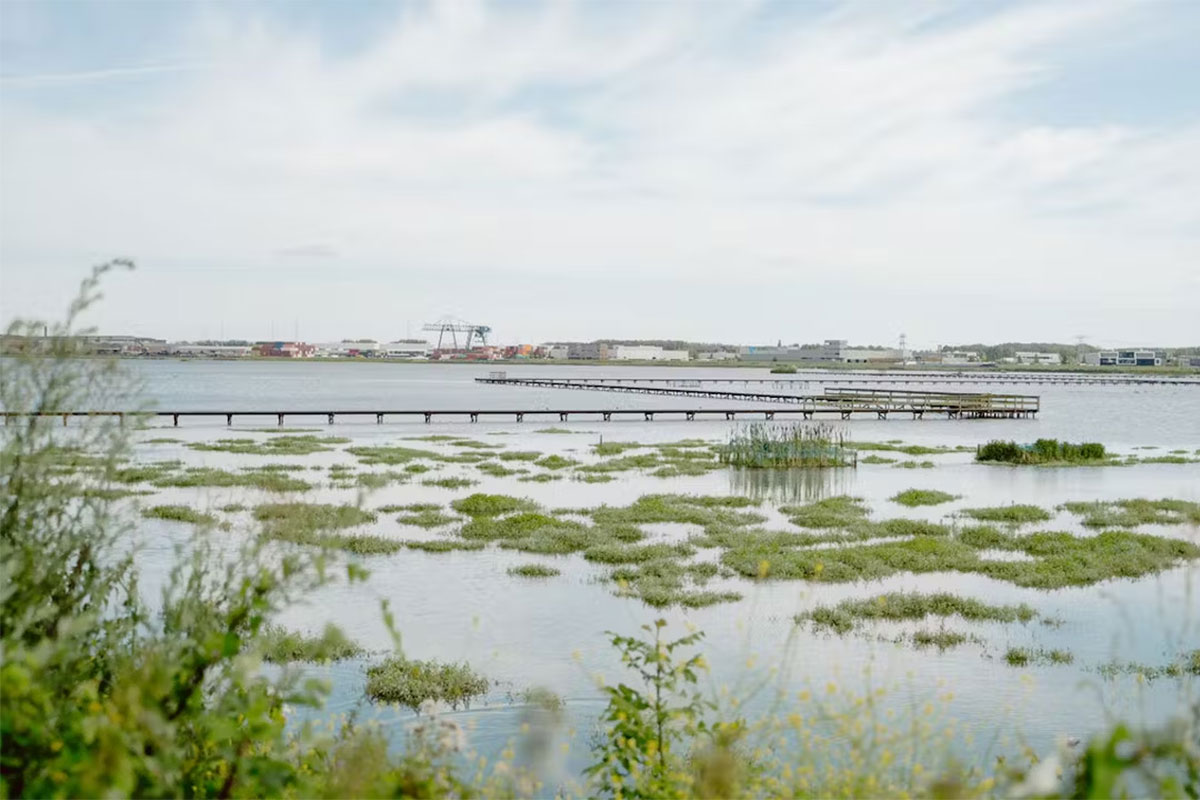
(766,446)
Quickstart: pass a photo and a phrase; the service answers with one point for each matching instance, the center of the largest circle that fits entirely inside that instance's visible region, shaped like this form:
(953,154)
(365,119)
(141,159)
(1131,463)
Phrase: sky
(723,171)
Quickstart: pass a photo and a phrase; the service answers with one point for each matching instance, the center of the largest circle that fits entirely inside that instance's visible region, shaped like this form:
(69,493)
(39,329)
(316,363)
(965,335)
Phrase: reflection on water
(791,485)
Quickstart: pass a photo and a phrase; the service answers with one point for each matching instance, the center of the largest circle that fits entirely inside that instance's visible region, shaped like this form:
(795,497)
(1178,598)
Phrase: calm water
(551,633)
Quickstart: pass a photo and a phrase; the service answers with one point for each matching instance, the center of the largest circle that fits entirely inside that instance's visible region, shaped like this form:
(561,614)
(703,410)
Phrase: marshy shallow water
(524,632)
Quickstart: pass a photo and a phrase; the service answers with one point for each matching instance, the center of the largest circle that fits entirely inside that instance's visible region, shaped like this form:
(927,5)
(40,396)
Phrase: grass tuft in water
(411,683)
(1024,656)
(1043,451)
(1016,514)
(179,514)
(490,505)
(941,639)
(832,512)
(896,606)
(766,446)
(449,483)
(533,571)
(923,497)
(1131,513)
(282,646)
(426,519)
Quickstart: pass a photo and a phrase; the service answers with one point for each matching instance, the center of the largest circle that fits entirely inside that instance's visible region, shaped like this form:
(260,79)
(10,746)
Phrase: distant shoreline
(801,369)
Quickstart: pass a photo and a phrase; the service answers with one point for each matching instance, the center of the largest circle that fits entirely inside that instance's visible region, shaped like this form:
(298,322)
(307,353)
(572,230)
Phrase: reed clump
(279,445)
(763,446)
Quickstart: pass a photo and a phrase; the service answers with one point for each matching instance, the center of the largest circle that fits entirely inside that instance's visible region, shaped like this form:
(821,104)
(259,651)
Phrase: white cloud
(560,146)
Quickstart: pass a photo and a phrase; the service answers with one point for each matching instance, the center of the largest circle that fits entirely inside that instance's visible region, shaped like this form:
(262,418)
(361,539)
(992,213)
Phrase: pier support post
(729,415)
(64,420)
(845,415)
(176,419)
(428,418)
(881,414)
(474,417)
(520,416)
(379,419)
(562,416)
(769,415)
(649,416)
(806,414)
(607,416)
(228,420)
(280,419)
(330,417)
(691,415)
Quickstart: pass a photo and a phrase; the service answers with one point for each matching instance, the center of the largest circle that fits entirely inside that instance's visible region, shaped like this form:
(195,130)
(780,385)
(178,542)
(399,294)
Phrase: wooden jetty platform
(835,400)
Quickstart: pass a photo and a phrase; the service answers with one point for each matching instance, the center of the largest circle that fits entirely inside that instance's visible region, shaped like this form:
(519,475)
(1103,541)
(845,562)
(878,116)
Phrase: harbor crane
(455,327)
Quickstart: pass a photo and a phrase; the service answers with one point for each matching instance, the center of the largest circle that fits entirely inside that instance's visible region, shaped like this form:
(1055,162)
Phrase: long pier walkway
(842,401)
(876,378)
(562,415)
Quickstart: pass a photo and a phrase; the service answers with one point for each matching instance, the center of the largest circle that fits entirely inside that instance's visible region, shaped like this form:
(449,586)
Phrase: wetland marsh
(506,550)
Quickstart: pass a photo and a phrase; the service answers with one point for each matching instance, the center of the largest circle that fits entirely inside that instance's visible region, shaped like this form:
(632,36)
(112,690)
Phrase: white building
(643,352)
(558,351)
(407,348)
(1038,358)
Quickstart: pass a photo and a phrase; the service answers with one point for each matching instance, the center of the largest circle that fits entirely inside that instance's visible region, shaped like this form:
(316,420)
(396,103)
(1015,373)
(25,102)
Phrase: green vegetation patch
(923,497)
(555,462)
(282,646)
(665,582)
(449,483)
(490,505)
(411,683)
(1184,664)
(416,508)
(897,606)
(443,545)
(541,477)
(915,465)
(1043,451)
(1024,656)
(277,446)
(906,449)
(268,480)
(426,519)
(1056,560)
(941,639)
(314,523)
(179,514)
(832,512)
(695,509)
(1131,513)
(592,477)
(498,470)
(614,448)
(389,455)
(533,571)
(1015,514)
(519,455)
(163,440)
(874,459)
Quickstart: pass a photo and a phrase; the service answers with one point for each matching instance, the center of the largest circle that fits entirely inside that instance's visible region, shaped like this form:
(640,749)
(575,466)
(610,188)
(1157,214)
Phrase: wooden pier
(844,408)
(836,400)
(857,377)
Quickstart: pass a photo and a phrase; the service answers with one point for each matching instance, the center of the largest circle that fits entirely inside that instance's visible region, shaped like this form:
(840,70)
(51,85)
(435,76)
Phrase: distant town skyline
(738,173)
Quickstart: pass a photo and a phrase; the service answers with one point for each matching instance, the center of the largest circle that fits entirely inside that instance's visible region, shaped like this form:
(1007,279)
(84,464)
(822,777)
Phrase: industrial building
(830,351)
(1124,358)
(1051,359)
(641,352)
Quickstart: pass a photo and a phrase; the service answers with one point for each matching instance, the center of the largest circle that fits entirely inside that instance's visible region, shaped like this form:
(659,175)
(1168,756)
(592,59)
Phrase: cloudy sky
(721,171)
